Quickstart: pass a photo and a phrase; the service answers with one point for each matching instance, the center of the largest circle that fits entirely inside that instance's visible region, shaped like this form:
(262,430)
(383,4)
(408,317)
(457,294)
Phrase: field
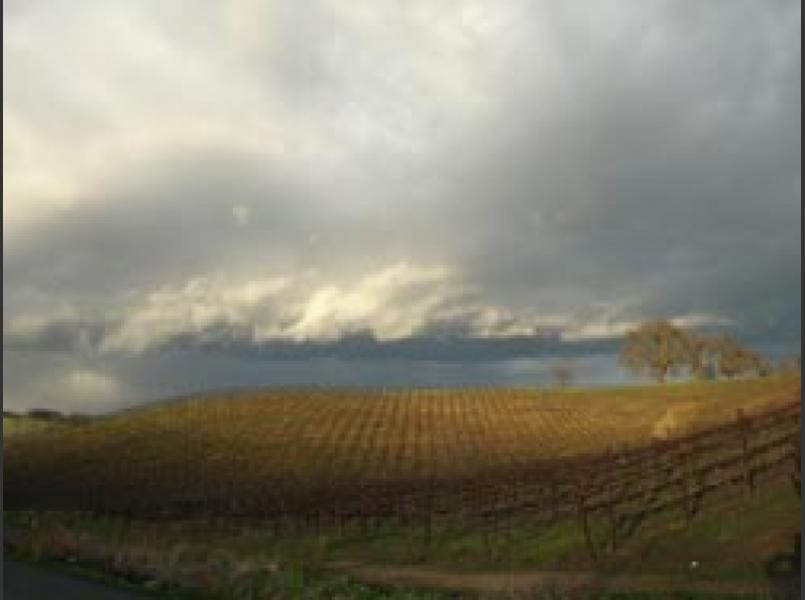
(314,439)
(22,425)
(474,479)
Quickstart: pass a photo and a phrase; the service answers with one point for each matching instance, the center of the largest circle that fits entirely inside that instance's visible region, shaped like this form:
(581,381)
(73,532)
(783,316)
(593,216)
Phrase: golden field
(242,444)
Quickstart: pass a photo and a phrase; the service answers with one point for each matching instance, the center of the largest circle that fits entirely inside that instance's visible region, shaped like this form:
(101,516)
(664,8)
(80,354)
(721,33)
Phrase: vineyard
(314,460)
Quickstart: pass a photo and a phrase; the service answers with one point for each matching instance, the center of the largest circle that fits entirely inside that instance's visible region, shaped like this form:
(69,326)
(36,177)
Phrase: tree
(736,360)
(766,367)
(658,348)
(790,365)
(45,414)
(564,373)
(703,359)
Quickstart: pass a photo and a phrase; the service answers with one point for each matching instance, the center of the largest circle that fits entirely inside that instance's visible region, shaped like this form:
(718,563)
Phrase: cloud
(422,170)
(606,327)
(200,307)
(397,302)
(91,386)
(67,386)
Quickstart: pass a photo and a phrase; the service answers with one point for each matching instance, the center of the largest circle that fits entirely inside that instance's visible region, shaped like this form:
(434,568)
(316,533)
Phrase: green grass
(233,444)
(293,582)
(735,539)
(739,540)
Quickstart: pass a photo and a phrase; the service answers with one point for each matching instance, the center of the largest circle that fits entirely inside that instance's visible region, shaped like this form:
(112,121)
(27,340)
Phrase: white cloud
(241,214)
(615,328)
(394,302)
(93,387)
(193,309)
(255,170)
(90,95)
(496,321)
(391,303)
(599,330)
(694,320)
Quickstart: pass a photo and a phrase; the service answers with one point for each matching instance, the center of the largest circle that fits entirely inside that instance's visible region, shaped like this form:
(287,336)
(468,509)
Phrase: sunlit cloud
(251,172)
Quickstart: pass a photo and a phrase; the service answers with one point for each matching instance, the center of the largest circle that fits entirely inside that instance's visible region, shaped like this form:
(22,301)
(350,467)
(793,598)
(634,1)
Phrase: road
(26,582)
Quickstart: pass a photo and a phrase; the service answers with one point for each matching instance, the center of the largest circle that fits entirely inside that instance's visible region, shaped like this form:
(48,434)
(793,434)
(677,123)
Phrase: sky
(205,194)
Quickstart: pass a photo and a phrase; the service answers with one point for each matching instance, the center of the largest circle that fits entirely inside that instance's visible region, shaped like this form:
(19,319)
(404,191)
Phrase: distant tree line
(47,414)
(661,349)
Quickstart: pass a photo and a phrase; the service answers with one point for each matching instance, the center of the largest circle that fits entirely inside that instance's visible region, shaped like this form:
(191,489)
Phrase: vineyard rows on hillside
(326,458)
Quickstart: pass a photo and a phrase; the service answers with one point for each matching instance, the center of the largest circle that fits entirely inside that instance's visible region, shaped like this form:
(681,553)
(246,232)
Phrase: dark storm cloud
(667,175)
(169,220)
(425,181)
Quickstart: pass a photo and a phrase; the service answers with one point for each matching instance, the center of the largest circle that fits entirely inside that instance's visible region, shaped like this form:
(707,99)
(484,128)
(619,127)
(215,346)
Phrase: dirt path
(518,582)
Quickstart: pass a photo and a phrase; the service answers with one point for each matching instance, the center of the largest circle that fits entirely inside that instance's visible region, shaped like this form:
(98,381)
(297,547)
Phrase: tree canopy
(657,348)
(660,348)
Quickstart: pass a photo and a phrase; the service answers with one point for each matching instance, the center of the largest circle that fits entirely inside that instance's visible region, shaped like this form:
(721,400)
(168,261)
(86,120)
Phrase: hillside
(247,445)
(17,425)
(449,481)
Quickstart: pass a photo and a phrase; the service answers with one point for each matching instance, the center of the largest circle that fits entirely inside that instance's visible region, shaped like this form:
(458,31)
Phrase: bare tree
(736,359)
(657,348)
(790,365)
(703,360)
(564,373)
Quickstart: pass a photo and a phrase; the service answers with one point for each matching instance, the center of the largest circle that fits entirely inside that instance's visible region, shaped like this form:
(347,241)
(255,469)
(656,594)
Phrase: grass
(242,445)
(730,537)
(736,541)
(22,425)
(292,582)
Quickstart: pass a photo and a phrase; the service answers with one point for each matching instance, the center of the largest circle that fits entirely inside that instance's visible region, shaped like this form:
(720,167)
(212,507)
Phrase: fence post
(427,524)
(796,459)
(512,498)
(652,469)
(581,508)
(611,483)
(342,521)
(686,480)
(744,426)
(695,480)
(554,498)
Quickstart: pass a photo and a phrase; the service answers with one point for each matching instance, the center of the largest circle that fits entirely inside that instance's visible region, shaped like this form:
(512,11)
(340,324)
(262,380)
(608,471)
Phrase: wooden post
(743,429)
(693,482)
(427,516)
(554,498)
(611,483)
(581,508)
(686,479)
(512,497)
(362,517)
(651,471)
(796,460)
